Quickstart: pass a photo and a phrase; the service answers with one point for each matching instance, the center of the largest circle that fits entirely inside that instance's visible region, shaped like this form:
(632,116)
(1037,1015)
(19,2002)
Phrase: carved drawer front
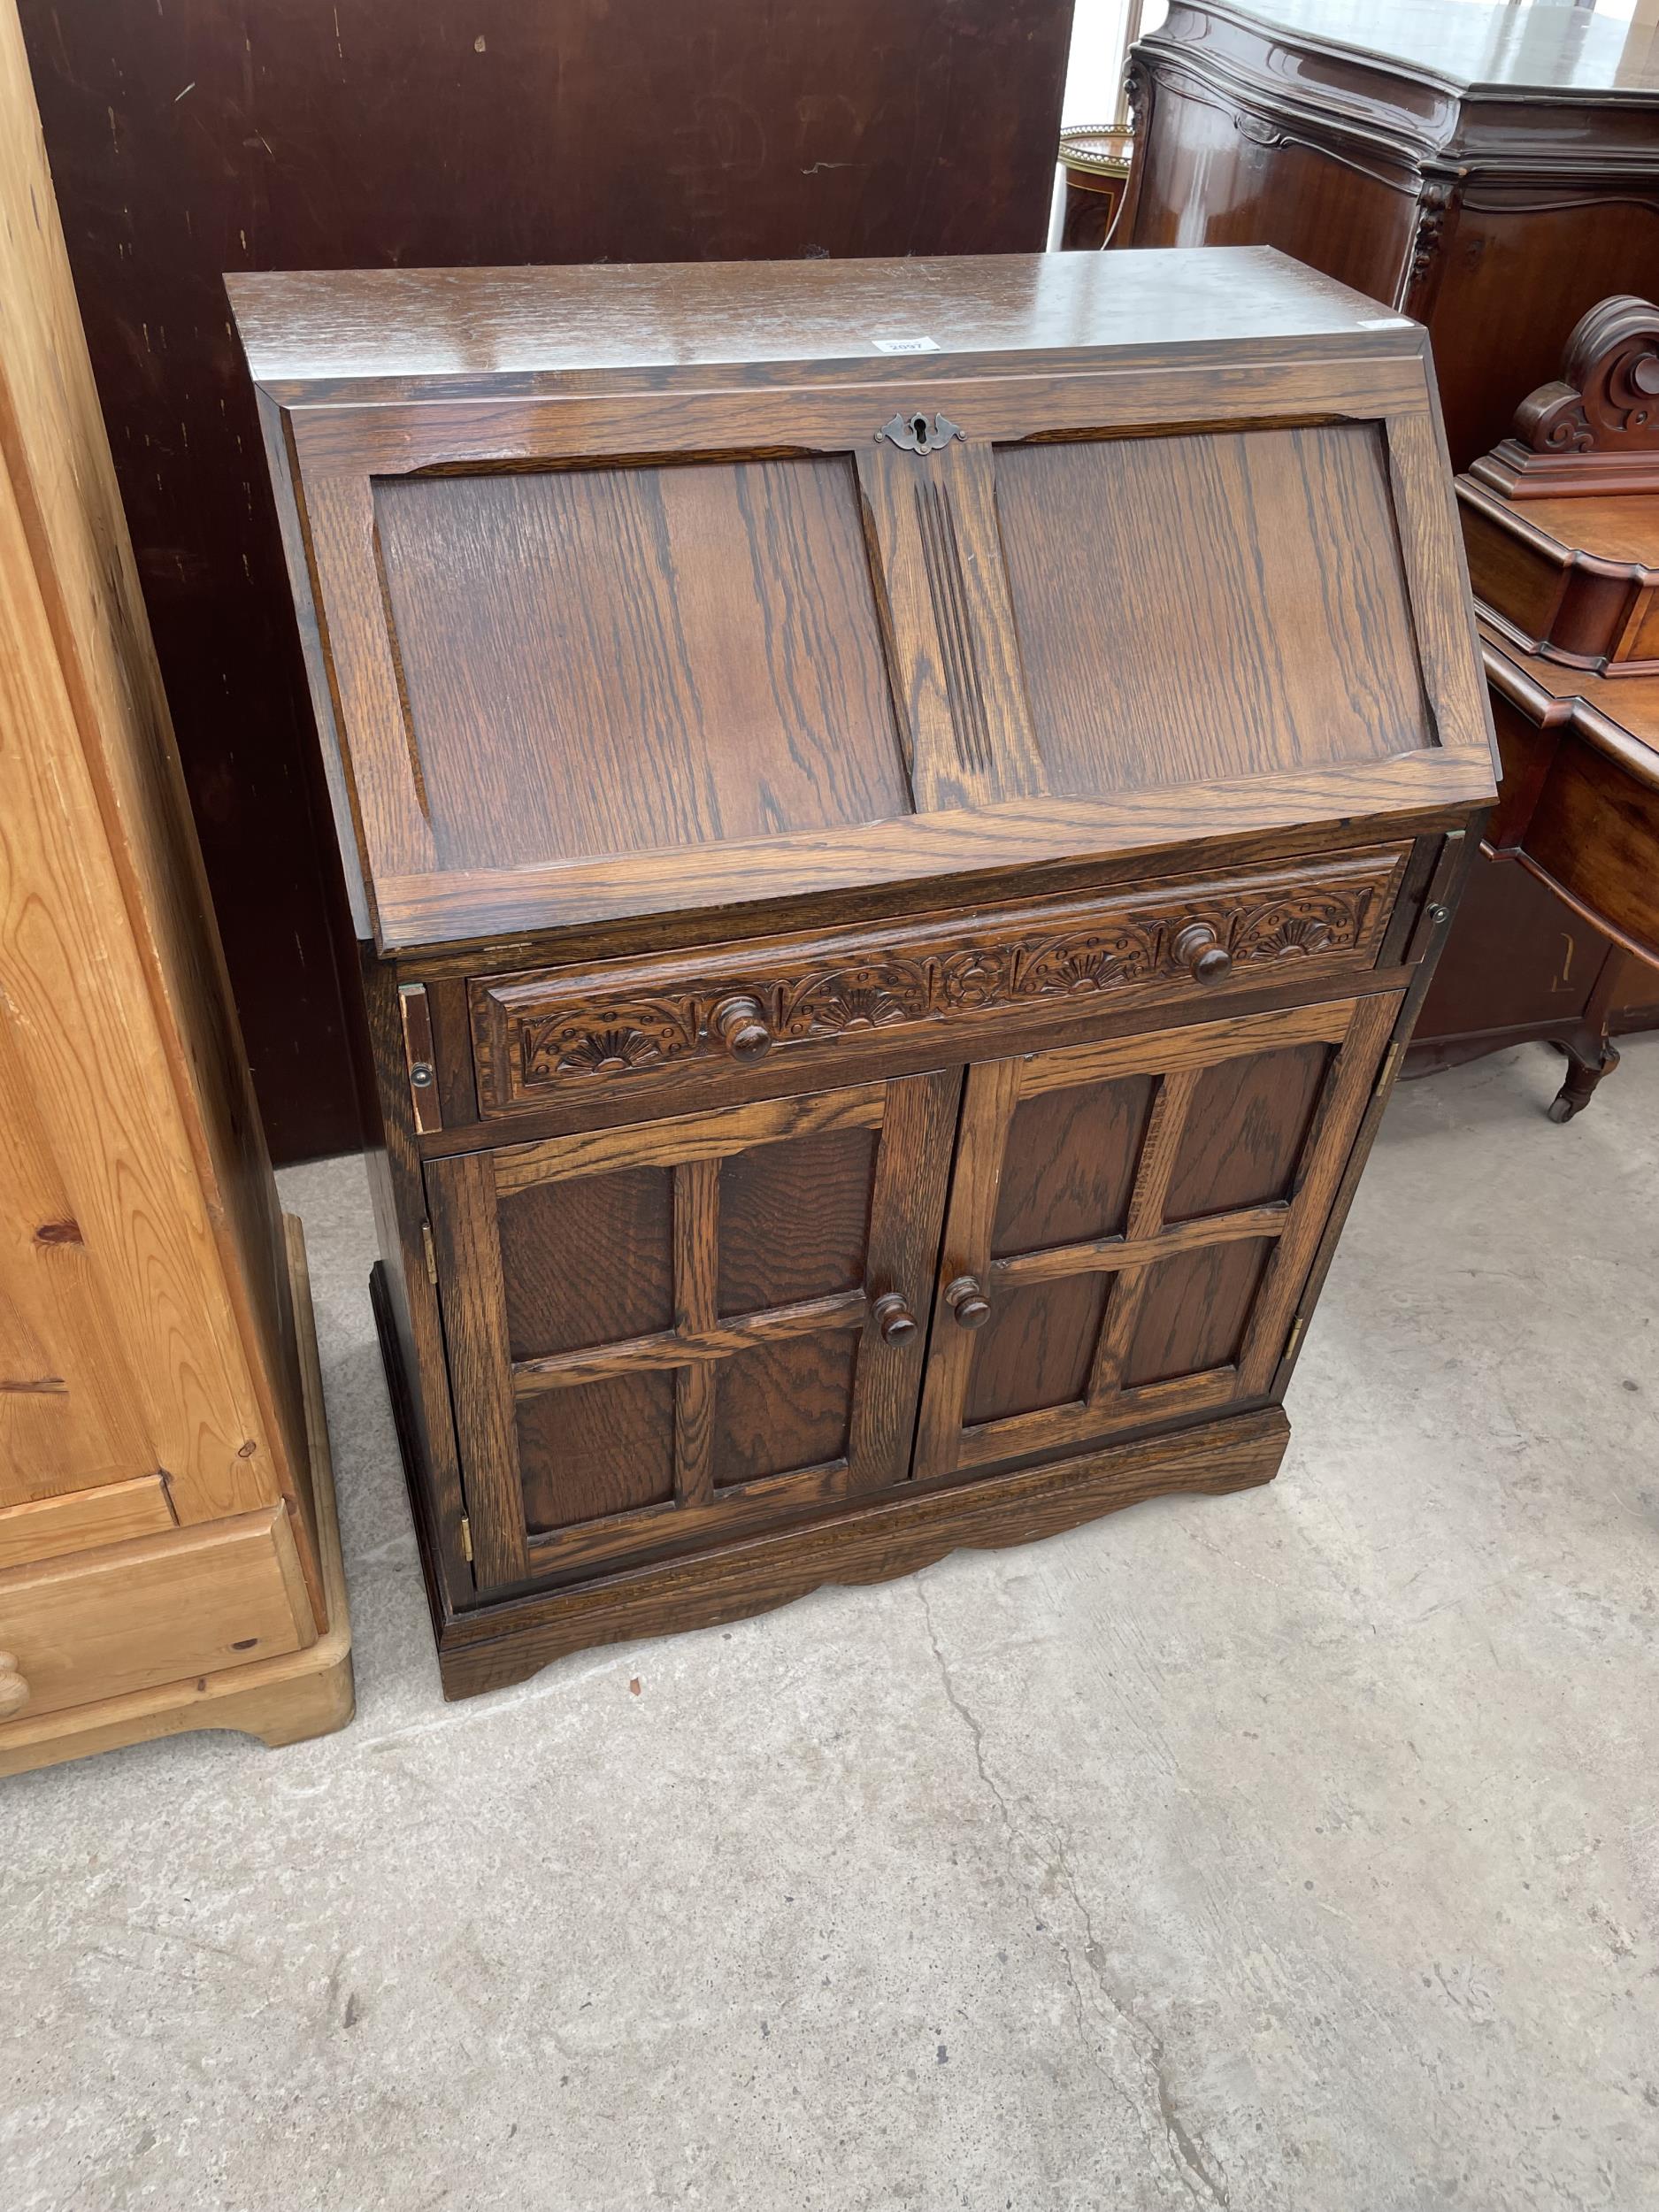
(552,1033)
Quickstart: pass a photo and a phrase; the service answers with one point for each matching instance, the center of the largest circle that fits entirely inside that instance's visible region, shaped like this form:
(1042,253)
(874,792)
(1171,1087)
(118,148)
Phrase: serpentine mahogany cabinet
(899,813)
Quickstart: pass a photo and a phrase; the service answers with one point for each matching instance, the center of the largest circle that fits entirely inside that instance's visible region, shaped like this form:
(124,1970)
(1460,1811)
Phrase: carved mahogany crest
(1597,428)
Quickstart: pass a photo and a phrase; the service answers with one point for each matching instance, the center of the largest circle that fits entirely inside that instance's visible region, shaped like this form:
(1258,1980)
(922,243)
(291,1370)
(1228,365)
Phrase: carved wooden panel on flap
(534,1034)
(1130,1225)
(692,1325)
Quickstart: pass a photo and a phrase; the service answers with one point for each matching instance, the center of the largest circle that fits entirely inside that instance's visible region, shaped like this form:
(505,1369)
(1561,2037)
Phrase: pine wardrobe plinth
(899,814)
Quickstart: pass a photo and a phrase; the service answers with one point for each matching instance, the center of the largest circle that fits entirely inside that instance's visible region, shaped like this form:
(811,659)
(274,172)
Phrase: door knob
(894,1317)
(741,1028)
(14,1691)
(967,1301)
(1199,950)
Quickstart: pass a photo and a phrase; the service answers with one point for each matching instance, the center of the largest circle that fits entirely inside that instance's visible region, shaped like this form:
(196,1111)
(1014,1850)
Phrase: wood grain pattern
(870,1542)
(1297,521)
(1070,1165)
(282,1698)
(436,511)
(795,1219)
(688,1137)
(1154,827)
(1495,187)
(806,1216)
(1165,1136)
(582,1454)
(846,130)
(101,1623)
(1325,1157)
(149,1332)
(678,1348)
(697,1250)
(82,1520)
(556,1300)
(951,642)
(784,1406)
(1238,1164)
(538,1033)
(1109,1254)
(662,656)
(990,1095)
(1326,1021)
(1148,612)
(466,1240)
(1246,1120)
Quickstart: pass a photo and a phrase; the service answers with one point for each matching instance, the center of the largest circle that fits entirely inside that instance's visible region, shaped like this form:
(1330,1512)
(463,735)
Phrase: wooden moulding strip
(436,910)
(867,1541)
(1102,1255)
(283,1698)
(845,1309)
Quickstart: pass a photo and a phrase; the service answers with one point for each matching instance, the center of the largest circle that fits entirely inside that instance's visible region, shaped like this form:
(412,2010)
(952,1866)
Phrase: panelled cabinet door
(686,1326)
(1131,1224)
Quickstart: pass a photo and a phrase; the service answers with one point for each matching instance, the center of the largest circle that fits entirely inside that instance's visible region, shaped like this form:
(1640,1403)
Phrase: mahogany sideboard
(1492,170)
(1559,936)
(877,1025)
(169,1558)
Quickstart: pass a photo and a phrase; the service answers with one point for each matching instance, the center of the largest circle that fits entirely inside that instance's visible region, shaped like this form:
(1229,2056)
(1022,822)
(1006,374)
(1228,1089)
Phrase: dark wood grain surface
(1004,1109)
(200,137)
(1226,527)
(660,657)
(369,331)
(868,1542)
(1493,172)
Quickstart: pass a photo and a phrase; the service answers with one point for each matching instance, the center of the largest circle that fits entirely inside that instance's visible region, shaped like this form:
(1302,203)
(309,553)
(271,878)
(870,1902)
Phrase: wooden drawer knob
(1200,951)
(14,1691)
(967,1301)
(741,1028)
(894,1317)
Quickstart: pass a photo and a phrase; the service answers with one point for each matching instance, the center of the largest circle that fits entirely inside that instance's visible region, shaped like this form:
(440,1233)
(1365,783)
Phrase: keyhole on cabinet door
(918,429)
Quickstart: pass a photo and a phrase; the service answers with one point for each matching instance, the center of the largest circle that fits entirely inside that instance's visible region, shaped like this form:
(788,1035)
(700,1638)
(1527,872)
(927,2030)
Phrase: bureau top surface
(652,591)
(300,329)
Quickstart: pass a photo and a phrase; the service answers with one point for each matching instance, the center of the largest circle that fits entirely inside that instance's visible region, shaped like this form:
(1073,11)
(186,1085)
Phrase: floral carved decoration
(805,1001)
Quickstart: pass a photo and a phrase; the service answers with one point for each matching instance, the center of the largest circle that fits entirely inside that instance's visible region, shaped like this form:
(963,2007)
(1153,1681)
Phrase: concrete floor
(1293,1849)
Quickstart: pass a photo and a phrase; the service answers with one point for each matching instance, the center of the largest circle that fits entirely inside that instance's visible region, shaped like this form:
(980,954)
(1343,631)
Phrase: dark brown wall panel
(199,138)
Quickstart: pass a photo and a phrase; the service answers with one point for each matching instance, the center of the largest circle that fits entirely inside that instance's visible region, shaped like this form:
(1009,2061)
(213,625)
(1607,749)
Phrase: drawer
(95,1624)
(547,1033)
(84,1520)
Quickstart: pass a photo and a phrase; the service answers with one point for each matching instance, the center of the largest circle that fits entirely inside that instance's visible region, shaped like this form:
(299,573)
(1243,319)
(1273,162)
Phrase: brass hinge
(466,1539)
(1392,1059)
(1295,1336)
(431,1251)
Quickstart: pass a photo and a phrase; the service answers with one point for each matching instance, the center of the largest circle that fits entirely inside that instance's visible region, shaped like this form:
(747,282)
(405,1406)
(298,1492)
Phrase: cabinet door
(675,1330)
(1130,1225)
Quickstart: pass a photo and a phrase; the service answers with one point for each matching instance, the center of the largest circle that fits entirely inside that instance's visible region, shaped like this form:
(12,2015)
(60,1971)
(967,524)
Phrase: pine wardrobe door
(677,1330)
(1130,1226)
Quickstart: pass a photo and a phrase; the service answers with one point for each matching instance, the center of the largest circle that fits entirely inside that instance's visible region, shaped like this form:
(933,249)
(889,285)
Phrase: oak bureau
(899,813)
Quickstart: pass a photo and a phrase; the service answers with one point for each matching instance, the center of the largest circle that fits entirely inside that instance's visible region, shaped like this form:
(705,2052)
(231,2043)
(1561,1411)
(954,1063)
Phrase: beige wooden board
(118,1012)
(306,1691)
(83,1520)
